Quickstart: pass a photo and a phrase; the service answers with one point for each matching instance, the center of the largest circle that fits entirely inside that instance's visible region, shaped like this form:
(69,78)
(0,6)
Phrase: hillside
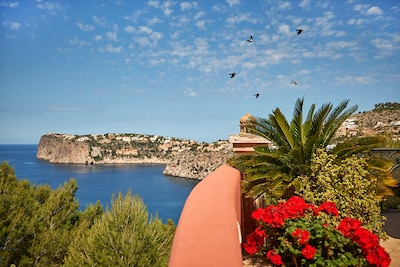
(184,158)
(381,120)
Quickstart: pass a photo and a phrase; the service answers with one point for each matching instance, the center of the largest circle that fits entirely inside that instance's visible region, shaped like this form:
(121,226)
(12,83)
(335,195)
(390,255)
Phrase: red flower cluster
(302,236)
(274,257)
(308,252)
(275,216)
(254,241)
(368,242)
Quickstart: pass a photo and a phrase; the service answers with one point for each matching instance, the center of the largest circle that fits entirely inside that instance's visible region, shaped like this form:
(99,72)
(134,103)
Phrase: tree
(37,224)
(123,236)
(275,170)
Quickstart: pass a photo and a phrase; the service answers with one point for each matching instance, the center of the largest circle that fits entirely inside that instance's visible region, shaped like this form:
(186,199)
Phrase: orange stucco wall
(207,233)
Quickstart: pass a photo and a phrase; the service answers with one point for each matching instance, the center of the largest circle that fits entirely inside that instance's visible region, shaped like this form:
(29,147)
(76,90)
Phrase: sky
(162,67)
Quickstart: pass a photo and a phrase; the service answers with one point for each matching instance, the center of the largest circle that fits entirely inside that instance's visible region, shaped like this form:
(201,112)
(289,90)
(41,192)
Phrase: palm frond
(296,124)
(283,128)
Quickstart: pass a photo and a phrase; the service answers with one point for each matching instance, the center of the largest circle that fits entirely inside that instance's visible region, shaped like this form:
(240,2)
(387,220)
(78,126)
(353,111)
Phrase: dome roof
(247,117)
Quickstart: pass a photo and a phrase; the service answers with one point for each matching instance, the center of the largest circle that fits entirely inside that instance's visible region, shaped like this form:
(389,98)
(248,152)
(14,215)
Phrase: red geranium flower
(329,208)
(308,252)
(274,257)
(301,235)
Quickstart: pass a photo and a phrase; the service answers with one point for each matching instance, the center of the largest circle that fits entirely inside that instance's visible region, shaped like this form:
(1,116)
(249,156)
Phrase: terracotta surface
(208,232)
(392,228)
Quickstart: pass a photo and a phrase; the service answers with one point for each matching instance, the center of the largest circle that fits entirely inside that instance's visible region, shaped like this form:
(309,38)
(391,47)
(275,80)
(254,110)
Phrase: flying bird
(299,31)
(250,40)
(232,74)
(257,95)
(294,82)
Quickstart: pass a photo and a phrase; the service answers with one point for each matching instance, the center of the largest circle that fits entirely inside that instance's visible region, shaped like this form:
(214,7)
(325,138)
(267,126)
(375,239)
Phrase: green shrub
(348,185)
(123,236)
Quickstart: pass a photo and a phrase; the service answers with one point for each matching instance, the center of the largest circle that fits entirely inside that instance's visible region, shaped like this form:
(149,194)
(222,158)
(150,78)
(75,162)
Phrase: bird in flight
(294,82)
(232,74)
(250,40)
(299,31)
(257,95)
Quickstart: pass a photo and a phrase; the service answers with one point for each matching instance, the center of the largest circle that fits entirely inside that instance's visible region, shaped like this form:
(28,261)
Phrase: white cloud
(112,36)
(356,21)
(284,28)
(201,24)
(98,38)
(350,79)
(76,42)
(187,5)
(374,11)
(154,21)
(85,27)
(198,15)
(284,6)
(232,3)
(367,10)
(241,17)
(145,29)
(11,25)
(382,44)
(129,29)
(154,3)
(110,49)
(156,36)
(51,7)
(341,45)
(305,4)
(165,7)
(99,21)
(190,92)
(9,4)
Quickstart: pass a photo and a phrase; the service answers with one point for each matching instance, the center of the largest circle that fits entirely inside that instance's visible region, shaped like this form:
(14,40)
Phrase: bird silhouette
(294,82)
(250,40)
(257,95)
(299,31)
(232,74)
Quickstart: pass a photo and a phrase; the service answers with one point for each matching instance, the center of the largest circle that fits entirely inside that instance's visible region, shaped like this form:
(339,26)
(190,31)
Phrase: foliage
(123,236)
(348,185)
(386,106)
(295,233)
(36,223)
(277,169)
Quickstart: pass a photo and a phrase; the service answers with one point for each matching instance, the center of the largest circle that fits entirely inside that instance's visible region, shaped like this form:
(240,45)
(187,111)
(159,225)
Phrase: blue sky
(162,67)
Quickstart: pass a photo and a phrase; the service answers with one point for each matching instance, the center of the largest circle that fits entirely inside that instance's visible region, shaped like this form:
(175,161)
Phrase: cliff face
(63,150)
(194,165)
(183,158)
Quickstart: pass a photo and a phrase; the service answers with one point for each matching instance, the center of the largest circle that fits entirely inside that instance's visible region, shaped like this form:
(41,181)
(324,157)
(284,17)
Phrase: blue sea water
(163,195)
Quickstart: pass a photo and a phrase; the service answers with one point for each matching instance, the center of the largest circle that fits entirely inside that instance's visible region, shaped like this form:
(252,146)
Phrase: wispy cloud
(85,27)
(9,4)
(74,41)
(11,25)
(110,49)
(190,92)
(49,6)
(232,3)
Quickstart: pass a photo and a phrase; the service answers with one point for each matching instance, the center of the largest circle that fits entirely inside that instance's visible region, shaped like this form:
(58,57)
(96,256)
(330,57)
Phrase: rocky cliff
(183,158)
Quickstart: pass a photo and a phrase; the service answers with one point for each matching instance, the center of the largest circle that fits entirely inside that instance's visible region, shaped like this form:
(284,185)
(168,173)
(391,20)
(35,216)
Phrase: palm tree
(274,171)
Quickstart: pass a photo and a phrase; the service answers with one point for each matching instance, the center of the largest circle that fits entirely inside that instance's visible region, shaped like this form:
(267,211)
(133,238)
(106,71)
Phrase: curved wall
(208,233)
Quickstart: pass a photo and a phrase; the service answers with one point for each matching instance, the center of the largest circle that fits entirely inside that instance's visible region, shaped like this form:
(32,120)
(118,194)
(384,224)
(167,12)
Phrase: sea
(163,195)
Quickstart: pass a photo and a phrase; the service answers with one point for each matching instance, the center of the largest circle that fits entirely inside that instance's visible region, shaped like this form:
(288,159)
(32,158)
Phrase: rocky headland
(183,158)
